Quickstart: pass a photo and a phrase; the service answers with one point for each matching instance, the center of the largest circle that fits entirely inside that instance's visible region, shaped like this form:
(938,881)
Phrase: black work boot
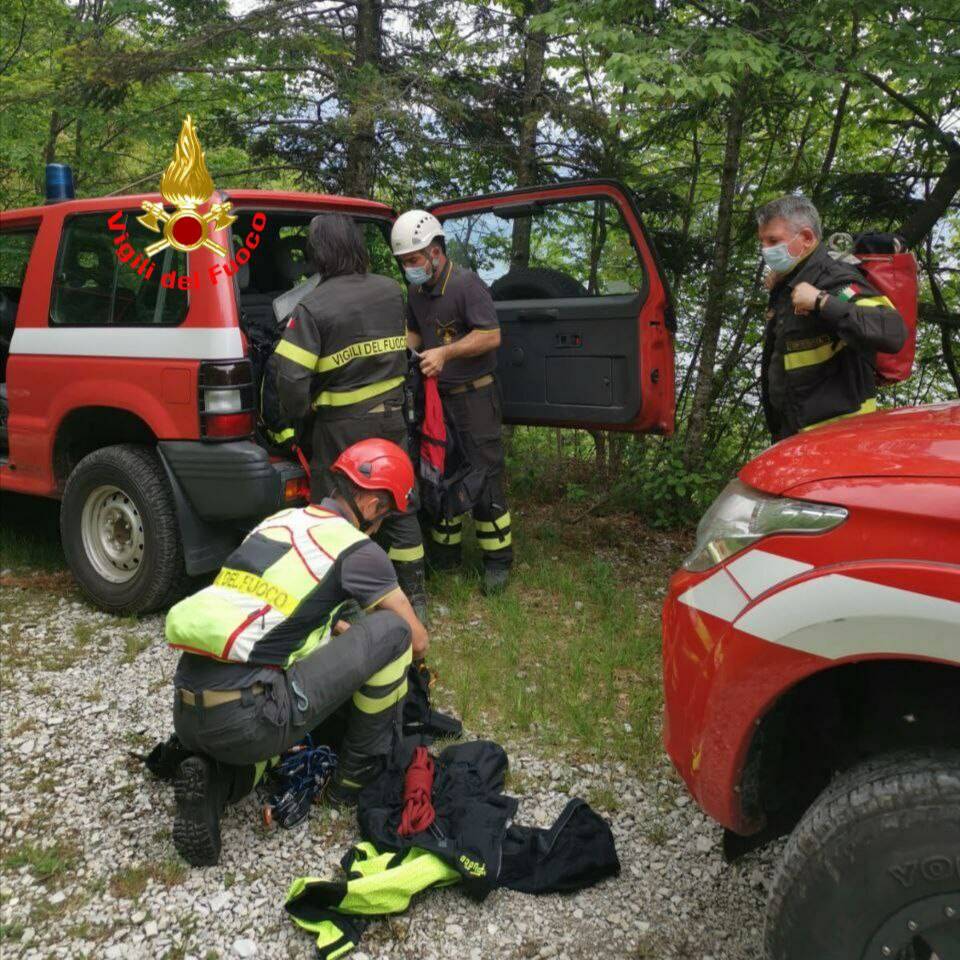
(200,791)
(353,773)
(495,580)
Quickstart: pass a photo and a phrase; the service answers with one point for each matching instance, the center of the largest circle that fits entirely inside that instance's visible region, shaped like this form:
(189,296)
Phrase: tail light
(296,489)
(227,400)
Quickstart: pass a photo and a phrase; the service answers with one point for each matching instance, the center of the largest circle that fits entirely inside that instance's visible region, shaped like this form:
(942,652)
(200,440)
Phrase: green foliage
(853,104)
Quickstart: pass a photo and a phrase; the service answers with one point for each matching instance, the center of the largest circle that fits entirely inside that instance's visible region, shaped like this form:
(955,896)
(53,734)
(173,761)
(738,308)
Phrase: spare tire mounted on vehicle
(536,283)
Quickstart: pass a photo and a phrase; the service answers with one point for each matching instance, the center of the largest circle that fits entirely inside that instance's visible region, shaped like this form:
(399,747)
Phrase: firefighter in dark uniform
(343,358)
(825,325)
(452,322)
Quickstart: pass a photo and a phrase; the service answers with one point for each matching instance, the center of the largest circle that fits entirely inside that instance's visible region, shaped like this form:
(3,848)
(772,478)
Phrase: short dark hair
(337,246)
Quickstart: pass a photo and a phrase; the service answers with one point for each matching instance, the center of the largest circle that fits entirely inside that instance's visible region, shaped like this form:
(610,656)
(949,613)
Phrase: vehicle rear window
(567,248)
(282,259)
(93,288)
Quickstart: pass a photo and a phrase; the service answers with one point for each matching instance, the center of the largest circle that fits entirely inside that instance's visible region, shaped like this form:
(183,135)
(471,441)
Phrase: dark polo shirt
(449,309)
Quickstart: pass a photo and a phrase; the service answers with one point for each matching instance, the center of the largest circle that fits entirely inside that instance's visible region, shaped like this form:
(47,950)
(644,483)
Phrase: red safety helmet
(378,464)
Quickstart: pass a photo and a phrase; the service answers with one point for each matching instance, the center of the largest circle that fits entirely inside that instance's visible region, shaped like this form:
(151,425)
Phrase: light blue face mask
(778,258)
(417,275)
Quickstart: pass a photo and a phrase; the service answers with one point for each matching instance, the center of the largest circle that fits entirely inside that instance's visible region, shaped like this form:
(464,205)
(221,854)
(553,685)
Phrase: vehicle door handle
(538,315)
(564,341)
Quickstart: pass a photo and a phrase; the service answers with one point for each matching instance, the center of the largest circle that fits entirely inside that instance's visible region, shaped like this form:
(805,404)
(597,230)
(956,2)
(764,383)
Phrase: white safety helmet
(413,231)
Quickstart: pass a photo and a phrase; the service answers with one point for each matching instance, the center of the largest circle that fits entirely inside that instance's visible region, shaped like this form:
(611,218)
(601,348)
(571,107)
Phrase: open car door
(585,314)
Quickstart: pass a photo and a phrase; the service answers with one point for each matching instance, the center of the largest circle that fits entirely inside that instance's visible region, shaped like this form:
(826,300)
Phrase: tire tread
(143,466)
(895,786)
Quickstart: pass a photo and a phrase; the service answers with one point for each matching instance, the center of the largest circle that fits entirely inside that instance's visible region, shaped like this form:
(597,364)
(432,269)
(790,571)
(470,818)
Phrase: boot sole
(193,837)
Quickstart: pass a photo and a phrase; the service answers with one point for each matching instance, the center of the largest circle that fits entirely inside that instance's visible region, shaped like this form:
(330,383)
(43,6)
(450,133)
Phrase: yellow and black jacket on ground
(376,884)
(471,842)
(821,366)
(344,348)
(474,833)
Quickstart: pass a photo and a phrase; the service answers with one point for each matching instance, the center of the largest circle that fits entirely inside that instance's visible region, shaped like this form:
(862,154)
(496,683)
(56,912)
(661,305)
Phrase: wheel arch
(836,717)
(85,429)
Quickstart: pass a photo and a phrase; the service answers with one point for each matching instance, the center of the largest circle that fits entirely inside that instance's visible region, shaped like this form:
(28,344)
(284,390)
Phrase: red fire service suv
(811,654)
(128,390)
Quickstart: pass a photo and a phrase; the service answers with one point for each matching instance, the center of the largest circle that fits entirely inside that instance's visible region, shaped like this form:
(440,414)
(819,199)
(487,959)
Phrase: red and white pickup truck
(811,665)
(129,395)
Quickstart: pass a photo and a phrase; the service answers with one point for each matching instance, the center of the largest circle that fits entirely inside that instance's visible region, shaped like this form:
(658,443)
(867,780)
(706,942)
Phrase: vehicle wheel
(118,524)
(873,868)
(535,283)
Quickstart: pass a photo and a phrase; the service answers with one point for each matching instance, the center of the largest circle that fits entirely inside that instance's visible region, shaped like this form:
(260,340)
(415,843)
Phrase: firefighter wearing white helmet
(413,230)
(452,323)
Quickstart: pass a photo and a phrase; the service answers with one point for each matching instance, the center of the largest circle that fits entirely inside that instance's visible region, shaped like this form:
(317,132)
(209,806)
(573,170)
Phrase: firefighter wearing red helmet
(266,658)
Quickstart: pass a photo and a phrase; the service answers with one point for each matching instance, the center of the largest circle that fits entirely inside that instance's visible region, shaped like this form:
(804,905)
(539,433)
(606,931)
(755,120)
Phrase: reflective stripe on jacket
(344,346)
(377,884)
(277,597)
(820,367)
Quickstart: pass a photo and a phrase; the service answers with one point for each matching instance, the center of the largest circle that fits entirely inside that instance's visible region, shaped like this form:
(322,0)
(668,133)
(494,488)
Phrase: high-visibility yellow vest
(277,597)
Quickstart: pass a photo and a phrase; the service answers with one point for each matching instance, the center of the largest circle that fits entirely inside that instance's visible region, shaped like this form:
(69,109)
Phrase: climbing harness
(292,785)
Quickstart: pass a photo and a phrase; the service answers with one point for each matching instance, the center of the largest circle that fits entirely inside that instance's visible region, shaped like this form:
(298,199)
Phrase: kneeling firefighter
(451,318)
(342,359)
(266,659)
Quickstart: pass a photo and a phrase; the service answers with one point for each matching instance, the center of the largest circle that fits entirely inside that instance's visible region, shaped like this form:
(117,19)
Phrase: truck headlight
(740,516)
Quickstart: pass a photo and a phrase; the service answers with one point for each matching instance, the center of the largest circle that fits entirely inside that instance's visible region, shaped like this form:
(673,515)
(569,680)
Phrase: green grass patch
(45,863)
(570,654)
(11,931)
(133,645)
(129,883)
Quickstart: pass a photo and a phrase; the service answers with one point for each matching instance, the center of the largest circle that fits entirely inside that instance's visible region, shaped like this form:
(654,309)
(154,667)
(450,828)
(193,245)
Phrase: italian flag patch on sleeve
(849,292)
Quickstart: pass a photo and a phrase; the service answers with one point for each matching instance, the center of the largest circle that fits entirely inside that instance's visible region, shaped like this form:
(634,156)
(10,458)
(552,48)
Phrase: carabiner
(302,702)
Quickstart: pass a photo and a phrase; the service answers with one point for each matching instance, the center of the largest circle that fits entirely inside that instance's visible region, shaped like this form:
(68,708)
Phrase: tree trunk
(531,112)
(50,150)
(359,175)
(838,119)
(922,220)
(693,453)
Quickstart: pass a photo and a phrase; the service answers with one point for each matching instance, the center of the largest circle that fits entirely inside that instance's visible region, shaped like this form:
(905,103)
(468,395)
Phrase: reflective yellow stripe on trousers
(406,554)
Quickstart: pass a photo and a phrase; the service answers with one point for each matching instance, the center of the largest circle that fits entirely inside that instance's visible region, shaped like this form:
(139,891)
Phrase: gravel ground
(98,686)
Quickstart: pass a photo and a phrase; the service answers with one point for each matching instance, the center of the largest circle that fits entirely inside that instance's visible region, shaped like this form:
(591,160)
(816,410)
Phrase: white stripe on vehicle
(756,571)
(179,343)
(718,595)
(837,616)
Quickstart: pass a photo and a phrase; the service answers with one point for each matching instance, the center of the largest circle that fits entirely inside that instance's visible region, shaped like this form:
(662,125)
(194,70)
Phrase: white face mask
(778,257)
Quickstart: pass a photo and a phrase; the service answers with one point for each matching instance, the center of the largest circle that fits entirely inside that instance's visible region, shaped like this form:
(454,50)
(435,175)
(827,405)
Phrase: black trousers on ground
(477,417)
(367,663)
(400,535)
